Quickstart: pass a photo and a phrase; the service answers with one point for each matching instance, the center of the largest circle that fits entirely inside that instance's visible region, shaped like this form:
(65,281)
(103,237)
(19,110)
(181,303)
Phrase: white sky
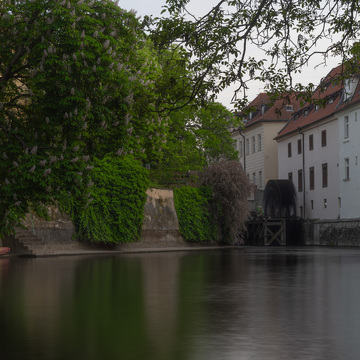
(200,7)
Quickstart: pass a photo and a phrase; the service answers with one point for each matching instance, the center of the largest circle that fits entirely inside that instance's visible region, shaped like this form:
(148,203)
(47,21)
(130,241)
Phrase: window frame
(324,172)
(346,127)
(300,180)
(289,150)
(311,178)
(347,168)
(323,138)
(299,146)
(311,142)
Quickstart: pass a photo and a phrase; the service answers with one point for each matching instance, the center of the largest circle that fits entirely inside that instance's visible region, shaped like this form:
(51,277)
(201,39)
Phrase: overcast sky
(199,7)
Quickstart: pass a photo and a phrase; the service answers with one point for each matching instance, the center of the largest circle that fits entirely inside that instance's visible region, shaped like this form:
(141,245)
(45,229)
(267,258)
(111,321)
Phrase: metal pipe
(303,168)
(243,136)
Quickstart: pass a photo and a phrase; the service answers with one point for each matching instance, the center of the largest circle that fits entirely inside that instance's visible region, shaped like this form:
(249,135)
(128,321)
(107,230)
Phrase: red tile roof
(331,92)
(273,112)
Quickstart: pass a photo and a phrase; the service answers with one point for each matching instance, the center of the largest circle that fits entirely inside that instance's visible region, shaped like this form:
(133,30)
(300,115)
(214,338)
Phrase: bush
(230,189)
(118,195)
(192,207)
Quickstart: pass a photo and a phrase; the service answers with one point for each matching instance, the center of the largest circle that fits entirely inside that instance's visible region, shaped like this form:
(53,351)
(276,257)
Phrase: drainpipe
(243,136)
(303,167)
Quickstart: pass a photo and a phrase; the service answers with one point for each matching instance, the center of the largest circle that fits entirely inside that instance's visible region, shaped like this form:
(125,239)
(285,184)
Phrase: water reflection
(250,303)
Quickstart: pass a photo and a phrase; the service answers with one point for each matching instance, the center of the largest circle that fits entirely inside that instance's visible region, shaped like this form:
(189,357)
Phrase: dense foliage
(197,136)
(116,208)
(230,189)
(193,210)
(76,82)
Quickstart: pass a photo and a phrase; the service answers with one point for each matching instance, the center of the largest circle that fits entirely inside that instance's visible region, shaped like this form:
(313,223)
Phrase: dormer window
(306,112)
(330,100)
(350,86)
(317,107)
(250,116)
(263,109)
(289,107)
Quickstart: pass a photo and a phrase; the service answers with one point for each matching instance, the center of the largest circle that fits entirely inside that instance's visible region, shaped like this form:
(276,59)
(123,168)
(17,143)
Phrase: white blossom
(7,182)
(86,158)
(76,148)
(47,172)
(42,163)
(15,164)
(34,150)
(74,160)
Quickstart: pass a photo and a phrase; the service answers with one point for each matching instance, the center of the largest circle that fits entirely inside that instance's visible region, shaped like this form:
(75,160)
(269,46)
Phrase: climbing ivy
(192,208)
(116,209)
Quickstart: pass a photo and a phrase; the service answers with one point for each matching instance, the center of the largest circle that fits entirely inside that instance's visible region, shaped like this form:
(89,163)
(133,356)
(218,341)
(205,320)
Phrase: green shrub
(116,211)
(192,208)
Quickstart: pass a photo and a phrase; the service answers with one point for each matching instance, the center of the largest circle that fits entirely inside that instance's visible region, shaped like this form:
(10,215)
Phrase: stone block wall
(160,226)
(340,232)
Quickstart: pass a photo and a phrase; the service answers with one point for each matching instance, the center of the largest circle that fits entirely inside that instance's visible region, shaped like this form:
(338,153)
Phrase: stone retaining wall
(160,226)
(340,232)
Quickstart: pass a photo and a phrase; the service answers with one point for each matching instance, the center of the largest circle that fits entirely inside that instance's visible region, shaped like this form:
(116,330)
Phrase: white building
(319,149)
(255,142)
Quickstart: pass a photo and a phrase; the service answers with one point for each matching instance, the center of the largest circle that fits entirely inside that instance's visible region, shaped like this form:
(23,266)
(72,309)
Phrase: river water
(256,303)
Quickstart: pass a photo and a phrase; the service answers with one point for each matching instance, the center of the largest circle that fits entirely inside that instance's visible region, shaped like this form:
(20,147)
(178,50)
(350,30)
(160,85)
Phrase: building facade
(258,152)
(319,149)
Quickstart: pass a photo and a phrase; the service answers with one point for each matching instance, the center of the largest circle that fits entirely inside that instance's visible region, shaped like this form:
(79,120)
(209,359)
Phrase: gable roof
(331,93)
(264,111)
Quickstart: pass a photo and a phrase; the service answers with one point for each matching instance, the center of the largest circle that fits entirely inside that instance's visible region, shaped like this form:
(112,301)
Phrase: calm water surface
(247,303)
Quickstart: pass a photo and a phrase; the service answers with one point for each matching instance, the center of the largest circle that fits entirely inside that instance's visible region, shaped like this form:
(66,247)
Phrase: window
(325,203)
(247,147)
(290,176)
(311,142)
(346,127)
(260,179)
(299,146)
(324,175)
(312,178)
(300,180)
(253,144)
(241,149)
(259,143)
(330,100)
(263,109)
(347,169)
(289,150)
(289,107)
(323,138)
(254,178)
(312,204)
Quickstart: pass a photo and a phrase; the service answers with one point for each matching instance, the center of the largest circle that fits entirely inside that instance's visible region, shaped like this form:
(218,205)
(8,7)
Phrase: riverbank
(93,249)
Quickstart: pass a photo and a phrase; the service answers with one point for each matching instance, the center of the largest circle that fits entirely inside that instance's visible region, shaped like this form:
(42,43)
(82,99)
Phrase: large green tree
(197,136)
(239,40)
(75,82)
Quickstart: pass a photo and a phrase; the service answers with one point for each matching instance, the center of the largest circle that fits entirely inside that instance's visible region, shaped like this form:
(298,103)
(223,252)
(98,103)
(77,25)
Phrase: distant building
(258,151)
(318,150)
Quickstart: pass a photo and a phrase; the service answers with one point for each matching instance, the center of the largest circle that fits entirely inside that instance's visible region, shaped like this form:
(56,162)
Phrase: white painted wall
(349,147)
(314,199)
(264,160)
